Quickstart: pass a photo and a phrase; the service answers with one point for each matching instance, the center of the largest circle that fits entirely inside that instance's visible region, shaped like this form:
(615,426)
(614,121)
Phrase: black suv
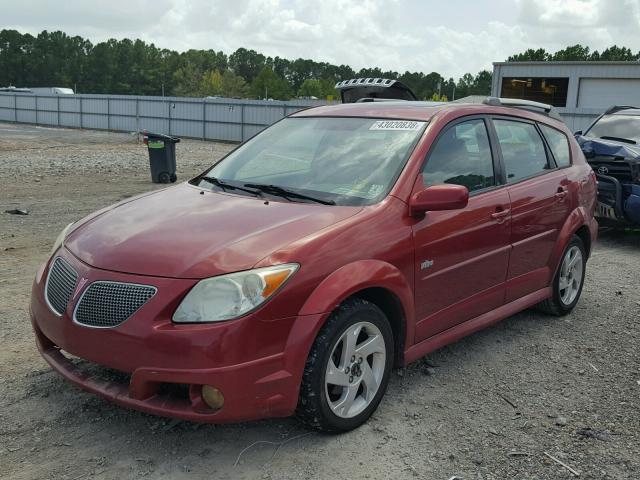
(612,147)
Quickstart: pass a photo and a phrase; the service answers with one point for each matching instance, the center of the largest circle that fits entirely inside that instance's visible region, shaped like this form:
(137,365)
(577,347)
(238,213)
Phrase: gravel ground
(496,405)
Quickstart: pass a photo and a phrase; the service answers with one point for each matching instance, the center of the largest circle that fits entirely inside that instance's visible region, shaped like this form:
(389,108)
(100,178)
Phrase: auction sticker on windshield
(396,125)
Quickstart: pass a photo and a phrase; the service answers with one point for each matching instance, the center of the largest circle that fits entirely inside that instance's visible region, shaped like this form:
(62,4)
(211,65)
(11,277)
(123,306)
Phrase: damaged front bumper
(618,201)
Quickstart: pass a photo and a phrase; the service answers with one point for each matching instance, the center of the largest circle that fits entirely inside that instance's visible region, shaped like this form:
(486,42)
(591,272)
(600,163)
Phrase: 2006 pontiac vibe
(295,273)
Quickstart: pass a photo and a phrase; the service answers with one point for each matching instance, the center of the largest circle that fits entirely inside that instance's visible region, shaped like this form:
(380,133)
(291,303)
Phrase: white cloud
(392,34)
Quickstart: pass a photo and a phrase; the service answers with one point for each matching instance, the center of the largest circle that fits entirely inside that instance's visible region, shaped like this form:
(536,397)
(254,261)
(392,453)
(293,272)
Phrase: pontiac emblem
(83,281)
(426,264)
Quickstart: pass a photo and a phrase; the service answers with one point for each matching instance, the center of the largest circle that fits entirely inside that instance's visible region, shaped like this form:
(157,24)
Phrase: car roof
(419,110)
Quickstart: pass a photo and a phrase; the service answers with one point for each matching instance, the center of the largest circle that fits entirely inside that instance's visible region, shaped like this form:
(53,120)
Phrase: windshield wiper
(619,139)
(286,193)
(227,186)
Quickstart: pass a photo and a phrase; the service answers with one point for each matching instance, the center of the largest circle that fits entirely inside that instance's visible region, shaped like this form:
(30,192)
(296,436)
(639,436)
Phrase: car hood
(593,147)
(185,232)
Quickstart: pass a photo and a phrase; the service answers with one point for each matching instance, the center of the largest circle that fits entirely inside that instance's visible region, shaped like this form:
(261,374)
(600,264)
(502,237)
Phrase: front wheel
(568,282)
(348,368)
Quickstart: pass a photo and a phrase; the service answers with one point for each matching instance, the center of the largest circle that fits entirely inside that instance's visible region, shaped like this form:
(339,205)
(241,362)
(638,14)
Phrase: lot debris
(17,211)
(267,442)
(508,401)
(577,474)
(603,435)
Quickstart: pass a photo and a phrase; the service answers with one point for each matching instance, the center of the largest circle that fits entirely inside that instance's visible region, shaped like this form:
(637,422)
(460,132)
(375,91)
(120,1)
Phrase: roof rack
(537,107)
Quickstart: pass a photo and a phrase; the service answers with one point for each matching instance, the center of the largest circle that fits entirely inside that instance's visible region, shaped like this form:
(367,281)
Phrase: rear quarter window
(559,145)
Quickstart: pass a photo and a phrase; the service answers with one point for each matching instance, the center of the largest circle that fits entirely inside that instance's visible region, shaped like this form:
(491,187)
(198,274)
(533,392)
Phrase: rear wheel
(348,368)
(568,282)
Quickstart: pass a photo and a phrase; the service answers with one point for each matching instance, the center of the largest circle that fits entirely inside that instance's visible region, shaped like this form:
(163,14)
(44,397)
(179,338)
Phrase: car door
(539,204)
(462,256)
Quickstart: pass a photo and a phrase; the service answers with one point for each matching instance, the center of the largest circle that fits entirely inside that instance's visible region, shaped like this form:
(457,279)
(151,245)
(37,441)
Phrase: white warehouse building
(579,90)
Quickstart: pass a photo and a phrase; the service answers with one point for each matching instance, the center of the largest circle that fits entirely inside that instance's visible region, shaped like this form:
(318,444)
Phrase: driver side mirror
(438,198)
(578,132)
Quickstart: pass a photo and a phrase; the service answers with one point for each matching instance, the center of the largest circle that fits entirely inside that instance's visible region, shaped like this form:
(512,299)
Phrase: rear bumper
(246,359)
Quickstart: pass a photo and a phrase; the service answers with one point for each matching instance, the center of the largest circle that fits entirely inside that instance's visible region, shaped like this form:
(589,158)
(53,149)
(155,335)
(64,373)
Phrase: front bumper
(618,201)
(247,359)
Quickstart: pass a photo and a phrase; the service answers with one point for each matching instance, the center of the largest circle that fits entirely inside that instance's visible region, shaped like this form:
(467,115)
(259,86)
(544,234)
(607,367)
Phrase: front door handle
(500,215)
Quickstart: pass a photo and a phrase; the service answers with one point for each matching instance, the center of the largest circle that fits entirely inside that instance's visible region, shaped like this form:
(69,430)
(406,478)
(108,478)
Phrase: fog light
(212,397)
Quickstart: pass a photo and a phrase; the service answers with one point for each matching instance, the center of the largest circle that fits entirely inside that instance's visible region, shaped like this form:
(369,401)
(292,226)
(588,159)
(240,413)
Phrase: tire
(164,178)
(565,299)
(362,380)
(173,177)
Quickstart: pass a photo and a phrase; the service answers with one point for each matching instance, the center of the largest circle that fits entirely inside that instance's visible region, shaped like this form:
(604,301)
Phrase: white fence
(208,119)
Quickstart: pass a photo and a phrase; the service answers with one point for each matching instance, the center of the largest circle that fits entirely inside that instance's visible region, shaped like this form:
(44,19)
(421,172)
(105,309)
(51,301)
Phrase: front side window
(462,156)
(559,145)
(522,149)
(346,161)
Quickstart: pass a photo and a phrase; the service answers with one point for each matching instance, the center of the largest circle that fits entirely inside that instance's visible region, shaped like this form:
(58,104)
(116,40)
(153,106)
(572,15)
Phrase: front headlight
(231,296)
(60,240)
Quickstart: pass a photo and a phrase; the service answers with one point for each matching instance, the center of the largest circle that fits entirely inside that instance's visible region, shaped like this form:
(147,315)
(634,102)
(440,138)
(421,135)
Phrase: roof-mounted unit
(532,106)
(537,107)
(356,89)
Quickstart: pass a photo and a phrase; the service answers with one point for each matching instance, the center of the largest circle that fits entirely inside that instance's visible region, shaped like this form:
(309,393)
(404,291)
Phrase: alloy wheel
(571,275)
(355,369)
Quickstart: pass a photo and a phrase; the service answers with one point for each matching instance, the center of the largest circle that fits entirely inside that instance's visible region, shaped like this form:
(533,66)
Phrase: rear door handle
(500,216)
(561,193)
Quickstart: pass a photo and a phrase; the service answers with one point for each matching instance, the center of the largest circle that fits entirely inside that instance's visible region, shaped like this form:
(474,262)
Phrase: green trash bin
(162,156)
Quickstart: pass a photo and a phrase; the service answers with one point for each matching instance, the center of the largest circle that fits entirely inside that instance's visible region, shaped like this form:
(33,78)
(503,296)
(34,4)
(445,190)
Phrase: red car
(296,272)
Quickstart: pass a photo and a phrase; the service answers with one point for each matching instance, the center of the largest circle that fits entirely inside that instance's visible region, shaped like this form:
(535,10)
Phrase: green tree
(327,86)
(246,63)
(311,88)
(572,53)
(233,86)
(187,81)
(530,55)
(211,84)
(616,53)
(269,85)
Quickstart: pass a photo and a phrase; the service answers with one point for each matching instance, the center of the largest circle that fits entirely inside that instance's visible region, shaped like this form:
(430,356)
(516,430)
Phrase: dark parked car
(612,147)
(295,273)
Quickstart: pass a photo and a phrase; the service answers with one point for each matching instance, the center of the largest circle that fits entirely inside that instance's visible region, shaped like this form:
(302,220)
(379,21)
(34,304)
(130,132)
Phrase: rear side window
(559,145)
(522,149)
(462,156)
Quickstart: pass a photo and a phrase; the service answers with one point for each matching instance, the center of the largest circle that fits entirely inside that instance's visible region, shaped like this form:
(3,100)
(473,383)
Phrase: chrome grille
(618,169)
(108,304)
(60,284)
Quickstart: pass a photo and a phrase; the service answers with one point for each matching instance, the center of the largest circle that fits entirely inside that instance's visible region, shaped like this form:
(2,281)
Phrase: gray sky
(415,35)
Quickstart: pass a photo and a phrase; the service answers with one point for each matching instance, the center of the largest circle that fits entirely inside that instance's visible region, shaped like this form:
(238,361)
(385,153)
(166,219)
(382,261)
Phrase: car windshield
(346,161)
(617,126)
